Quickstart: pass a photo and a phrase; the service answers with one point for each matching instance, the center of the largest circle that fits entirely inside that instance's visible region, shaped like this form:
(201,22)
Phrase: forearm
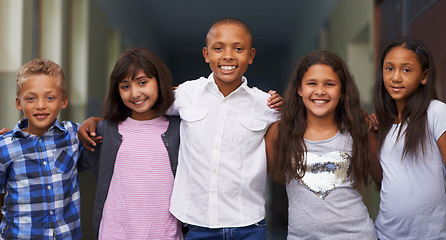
(375,165)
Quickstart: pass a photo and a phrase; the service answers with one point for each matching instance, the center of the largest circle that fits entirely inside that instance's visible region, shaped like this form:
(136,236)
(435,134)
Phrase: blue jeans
(253,232)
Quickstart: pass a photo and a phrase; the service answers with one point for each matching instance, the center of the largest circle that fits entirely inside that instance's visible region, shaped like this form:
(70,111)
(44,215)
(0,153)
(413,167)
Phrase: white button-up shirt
(221,176)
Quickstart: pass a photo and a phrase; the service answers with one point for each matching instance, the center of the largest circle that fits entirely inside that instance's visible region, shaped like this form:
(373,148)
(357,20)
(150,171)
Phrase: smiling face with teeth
(320,90)
(40,99)
(140,95)
(228,52)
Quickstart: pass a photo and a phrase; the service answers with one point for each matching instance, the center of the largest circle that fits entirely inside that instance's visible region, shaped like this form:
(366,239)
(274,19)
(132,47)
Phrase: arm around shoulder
(87,133)
(90,159)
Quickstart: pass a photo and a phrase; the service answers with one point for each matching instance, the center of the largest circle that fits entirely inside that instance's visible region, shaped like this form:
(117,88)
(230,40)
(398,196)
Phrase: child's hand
(275,101)
(87,133)
(372,121)
(4,130)
(175,87)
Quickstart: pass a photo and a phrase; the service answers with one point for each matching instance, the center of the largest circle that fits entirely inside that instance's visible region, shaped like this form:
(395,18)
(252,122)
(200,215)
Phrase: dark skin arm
(376,170)
(375,166)
(274,102)
(270,139)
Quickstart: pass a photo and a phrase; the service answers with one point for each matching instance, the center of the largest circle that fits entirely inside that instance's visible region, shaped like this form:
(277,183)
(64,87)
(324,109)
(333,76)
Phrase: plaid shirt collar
(18,132)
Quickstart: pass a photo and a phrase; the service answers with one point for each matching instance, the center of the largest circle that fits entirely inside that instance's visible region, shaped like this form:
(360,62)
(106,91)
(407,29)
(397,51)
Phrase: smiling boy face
(40,99)
(228,52)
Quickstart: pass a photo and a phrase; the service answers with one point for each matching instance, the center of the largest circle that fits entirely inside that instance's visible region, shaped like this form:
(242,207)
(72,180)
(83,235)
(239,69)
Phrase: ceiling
(174,29)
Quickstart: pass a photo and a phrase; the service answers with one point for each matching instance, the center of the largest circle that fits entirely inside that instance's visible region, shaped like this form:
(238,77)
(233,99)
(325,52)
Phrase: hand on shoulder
(87,133)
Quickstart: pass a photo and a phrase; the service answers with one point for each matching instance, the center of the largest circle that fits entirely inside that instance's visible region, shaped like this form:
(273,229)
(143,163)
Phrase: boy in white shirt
(222,169)
(219,187)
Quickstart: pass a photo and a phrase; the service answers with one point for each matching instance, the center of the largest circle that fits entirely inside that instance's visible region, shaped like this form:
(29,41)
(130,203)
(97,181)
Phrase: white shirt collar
(243,86)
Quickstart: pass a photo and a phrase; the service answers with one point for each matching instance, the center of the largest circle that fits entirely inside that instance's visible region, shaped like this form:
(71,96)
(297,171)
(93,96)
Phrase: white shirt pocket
(193,122)
(249,133)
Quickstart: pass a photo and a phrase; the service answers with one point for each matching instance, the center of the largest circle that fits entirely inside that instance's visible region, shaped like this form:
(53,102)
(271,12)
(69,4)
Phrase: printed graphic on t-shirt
(325,173)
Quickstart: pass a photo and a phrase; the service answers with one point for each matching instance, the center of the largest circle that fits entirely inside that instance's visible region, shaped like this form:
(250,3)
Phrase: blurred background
(86,36)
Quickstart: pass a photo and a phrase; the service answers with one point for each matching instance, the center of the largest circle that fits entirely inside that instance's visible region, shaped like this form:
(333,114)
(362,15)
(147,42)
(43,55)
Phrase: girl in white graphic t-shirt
(411,144)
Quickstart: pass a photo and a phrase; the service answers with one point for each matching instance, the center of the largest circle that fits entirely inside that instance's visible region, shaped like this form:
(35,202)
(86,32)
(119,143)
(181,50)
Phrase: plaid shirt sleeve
(39,178)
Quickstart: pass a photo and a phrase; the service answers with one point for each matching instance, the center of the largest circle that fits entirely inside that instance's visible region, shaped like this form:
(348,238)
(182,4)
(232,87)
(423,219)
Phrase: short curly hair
(39,66)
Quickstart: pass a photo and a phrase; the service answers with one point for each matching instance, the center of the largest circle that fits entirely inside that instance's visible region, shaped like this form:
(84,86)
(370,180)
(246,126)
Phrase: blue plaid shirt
(39,178)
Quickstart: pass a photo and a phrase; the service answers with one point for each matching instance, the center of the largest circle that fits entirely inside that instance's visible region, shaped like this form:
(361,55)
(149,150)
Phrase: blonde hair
(39,66)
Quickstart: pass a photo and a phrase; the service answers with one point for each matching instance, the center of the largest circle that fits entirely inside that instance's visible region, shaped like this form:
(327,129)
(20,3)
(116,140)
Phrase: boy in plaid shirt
(38,160)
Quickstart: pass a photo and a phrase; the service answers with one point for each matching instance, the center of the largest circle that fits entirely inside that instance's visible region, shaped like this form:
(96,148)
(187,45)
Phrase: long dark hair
(414,113)
(290,145)
(128,65)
